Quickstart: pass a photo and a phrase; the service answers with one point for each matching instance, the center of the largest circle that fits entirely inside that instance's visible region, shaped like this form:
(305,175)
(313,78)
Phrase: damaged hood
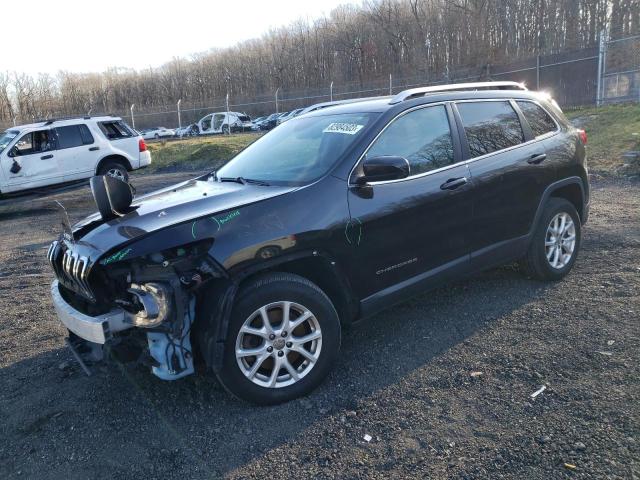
(171,206)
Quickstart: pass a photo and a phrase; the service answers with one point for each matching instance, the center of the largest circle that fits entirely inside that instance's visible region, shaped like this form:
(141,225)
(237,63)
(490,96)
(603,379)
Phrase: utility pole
(538,72)
(331,92)
(179,119)
(390,84)
(133,122)
(277,90)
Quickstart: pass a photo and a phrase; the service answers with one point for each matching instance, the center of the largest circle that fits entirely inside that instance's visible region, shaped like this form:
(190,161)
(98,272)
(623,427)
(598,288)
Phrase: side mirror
(384,168)
(13,152)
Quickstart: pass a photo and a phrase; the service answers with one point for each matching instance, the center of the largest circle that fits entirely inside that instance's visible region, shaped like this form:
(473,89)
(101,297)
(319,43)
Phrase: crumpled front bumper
(94,329)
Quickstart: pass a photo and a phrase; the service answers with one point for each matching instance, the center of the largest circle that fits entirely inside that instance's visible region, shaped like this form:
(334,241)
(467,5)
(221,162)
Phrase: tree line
(356,44)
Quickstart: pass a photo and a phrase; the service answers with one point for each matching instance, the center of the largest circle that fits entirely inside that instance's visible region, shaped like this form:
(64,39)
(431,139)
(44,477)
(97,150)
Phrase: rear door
(406,231)
(509,171)
(78,153)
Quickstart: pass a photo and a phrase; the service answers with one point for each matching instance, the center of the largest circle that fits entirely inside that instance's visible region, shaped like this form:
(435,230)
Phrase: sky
(91,36)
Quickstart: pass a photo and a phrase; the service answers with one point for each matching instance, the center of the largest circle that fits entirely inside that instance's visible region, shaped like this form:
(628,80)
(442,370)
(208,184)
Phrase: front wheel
(555,241)
(283,339)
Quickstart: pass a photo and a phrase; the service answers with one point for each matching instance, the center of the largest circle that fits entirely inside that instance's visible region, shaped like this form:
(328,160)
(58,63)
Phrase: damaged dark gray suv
(252,270)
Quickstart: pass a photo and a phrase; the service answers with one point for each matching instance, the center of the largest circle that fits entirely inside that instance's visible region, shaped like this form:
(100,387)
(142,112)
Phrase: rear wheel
(114,169)
(283,339)
(555,242)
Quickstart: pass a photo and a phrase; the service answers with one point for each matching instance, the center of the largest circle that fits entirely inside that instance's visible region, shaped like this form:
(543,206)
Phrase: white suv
(60,151)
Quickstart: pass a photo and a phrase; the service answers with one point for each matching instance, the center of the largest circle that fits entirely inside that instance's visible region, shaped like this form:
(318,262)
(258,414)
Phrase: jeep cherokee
(252,270)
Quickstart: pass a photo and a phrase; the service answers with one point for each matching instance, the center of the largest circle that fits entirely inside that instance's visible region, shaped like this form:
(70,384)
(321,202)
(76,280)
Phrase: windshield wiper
(243,181)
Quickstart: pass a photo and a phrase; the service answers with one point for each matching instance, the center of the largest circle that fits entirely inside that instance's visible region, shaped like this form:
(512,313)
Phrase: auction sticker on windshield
(348,128)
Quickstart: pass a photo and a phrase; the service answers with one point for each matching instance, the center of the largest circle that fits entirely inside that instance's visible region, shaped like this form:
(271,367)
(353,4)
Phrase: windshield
(6,137)
(299,151)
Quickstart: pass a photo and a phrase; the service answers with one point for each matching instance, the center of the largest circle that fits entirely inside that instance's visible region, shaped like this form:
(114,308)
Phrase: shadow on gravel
(128,424)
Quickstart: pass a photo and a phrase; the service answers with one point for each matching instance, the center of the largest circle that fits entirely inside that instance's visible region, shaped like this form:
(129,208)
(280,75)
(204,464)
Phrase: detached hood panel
(180,203)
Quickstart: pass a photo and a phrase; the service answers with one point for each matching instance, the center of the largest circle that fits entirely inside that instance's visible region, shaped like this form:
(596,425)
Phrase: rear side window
(115,130)
(490,126)
(539,120)
(423,137)
(73,136)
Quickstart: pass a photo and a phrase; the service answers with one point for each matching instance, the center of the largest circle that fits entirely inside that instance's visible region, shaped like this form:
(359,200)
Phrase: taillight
(583,136)
(142,146)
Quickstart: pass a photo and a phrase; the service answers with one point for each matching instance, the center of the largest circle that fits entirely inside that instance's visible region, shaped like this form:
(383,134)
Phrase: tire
(115,169)
(536,263)
(156,136)
(269,293)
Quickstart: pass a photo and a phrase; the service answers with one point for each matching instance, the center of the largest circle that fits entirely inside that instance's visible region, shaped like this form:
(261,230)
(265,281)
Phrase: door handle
(46,157)
(93,149)
(537,158)
(454,183)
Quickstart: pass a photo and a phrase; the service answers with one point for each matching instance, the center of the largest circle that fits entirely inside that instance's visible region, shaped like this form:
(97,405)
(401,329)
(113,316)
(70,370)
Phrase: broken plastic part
(155,300)
(172,351)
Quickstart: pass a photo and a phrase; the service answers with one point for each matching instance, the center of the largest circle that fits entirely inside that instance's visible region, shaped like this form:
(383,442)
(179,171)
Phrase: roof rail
(421,91)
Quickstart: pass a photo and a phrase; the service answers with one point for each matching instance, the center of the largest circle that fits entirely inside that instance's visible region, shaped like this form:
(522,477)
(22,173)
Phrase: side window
(206,122)
(115,130)
(85,133)
(423,137)
(539,120)
(35,142)
(490,126)
(69,136)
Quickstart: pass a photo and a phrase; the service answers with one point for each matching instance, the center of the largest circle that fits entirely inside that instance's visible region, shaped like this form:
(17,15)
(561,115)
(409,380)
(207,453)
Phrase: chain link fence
(593,76)
(620,68)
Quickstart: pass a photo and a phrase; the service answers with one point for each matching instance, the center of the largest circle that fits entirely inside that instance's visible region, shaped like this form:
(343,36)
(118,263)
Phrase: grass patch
(198,153)
(610,130)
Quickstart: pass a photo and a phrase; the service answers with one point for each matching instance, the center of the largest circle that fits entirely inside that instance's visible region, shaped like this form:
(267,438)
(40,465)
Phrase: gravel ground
(442,385)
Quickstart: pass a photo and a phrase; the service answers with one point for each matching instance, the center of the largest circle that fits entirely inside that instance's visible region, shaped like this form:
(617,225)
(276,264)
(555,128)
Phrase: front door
(31,162)
(403,232)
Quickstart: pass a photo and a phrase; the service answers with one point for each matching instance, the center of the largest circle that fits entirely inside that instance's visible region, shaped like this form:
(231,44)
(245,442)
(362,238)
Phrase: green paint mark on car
(116,257)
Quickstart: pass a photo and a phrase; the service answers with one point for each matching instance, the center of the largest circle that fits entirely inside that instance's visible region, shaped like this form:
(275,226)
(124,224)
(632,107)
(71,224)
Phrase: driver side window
(422,136)
(34,142)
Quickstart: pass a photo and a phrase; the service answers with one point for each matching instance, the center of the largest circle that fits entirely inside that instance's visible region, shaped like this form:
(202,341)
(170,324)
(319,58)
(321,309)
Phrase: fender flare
(548,192)
(113,156)
(212,335)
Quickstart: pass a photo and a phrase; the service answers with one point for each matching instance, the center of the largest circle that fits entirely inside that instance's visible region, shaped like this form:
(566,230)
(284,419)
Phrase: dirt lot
(442,384)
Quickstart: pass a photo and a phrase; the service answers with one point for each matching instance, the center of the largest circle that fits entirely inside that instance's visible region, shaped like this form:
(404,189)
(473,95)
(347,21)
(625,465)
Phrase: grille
(72,270)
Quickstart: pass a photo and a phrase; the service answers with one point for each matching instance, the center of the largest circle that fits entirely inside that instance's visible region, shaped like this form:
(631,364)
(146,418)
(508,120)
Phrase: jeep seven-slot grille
(72,270)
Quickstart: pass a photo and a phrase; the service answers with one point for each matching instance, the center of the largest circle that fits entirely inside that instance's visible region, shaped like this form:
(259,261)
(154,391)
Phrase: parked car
(54,152)
(253,270)
(156,133)
(271,121)
(289,115)
(225,122)
(188,131)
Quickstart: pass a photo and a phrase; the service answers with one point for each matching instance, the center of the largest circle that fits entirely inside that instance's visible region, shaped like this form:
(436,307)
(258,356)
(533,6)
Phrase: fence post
(600,85)
(390,84)
(179,119)
(331,91)
(228,125)
(133,122)
(277,90)
(538,72)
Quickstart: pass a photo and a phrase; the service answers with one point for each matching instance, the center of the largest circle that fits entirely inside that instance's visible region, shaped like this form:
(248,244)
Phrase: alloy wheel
(560,240)
(278,344)
(116,173)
